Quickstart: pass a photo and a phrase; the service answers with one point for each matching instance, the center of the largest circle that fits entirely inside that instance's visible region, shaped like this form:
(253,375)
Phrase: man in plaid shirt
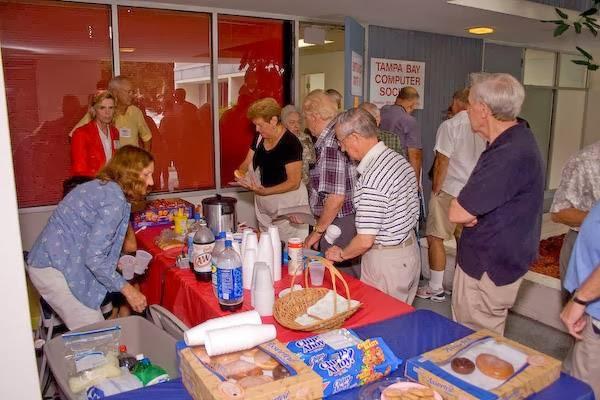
(332,179)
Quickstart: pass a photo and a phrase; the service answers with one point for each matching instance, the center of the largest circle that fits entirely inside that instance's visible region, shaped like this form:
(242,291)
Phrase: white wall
(331,64)
(18,379)
(591,131)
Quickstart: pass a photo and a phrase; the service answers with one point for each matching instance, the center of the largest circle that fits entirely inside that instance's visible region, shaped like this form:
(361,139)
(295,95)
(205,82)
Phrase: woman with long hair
(73,262)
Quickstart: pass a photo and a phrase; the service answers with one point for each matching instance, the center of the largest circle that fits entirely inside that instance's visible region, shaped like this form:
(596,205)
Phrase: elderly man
(390,139)
(457,149)
(332,178)
(500,206)
(387,210)
(397,118)
(577,193)
(581,315)
(129,119)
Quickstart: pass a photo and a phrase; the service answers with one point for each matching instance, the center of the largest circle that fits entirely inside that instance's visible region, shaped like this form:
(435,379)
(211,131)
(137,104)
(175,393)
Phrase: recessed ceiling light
(480,30)
(127,49)
(302,43)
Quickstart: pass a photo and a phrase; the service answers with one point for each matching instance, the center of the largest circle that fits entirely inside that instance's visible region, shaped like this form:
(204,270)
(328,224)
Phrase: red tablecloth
(194,302)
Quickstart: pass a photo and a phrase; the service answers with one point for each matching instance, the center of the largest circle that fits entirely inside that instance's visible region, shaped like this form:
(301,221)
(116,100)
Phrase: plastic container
(173,177)
(317,272)
(230,285)
(148,373)
(295,261)
(218,248)
(203,246)
(124,383)
(140,335)
(125,359)
(180,221)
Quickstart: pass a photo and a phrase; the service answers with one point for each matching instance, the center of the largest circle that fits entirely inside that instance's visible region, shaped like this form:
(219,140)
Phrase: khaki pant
(583,360)
(480,304)
(394,271)
(52,286)
(438,223)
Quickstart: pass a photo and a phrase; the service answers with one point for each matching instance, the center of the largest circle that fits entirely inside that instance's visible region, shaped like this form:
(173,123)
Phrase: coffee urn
(220,214)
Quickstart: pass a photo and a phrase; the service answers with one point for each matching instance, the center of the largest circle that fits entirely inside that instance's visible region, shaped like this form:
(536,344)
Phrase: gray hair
(287,111)
(356,120)
(502,93)
(371,109)
(116,82)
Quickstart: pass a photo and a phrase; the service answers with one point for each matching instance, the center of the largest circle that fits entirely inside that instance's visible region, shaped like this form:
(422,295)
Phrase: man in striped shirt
(387,209)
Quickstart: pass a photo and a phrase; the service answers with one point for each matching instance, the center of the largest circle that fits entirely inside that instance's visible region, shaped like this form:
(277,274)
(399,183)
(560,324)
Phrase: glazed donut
(494,367)
(462,365)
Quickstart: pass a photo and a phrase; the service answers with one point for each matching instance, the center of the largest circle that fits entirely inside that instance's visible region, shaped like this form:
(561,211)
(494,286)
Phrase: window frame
(214,14)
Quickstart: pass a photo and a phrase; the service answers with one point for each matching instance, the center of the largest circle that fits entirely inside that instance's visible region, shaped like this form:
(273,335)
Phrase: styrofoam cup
(332,233)
(317,272)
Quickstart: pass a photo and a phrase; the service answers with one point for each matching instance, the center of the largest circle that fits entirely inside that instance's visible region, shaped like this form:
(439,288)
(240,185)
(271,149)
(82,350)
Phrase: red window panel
(167,56)
(54,56)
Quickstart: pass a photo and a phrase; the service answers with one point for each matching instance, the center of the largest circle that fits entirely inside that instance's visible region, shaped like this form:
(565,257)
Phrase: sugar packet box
(530,371)
(160,212)
(344,361)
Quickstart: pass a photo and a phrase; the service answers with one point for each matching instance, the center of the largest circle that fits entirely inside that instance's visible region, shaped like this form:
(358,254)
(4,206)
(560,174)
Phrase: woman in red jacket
(94,143)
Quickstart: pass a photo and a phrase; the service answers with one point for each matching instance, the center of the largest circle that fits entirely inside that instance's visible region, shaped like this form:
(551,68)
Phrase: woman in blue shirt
(73,261)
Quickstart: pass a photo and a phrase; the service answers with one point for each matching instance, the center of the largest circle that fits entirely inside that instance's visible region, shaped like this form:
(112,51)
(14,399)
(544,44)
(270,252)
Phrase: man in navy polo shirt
(500,206)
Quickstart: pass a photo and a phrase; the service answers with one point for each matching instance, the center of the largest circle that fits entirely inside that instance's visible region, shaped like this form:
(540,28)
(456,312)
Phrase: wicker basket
(295,303)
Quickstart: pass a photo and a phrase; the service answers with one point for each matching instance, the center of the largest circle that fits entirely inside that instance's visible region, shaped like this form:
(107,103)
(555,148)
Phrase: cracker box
(266,372)
(484,366)
(160,212)
(344,361)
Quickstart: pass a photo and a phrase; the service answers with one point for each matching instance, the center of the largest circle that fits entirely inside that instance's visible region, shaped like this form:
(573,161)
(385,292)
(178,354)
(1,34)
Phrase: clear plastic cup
(142,260)
(127,264)
(317,272)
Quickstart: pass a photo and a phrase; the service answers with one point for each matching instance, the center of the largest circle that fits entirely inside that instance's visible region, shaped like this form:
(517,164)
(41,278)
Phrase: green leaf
(591,11)
(560,30)
(584,53)
(580,62)
(561,14)
(591,28)
(554,21)
(593,67)
(577,26)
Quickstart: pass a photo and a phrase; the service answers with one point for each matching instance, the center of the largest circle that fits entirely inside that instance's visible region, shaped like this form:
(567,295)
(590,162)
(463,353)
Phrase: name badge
(125,132)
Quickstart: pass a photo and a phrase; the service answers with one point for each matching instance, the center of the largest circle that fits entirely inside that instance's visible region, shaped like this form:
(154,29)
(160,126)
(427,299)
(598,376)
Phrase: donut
(251,381)
(226,358)
(239,174)
(231,390)
(239,369)
(280,372)
(462,365)
(494,367)
(265,361)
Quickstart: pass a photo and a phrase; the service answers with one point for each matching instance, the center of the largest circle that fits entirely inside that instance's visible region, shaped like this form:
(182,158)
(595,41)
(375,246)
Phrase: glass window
(539,68)
(167,54)
(254,63)
(571,74)
(55,55)
(568,130)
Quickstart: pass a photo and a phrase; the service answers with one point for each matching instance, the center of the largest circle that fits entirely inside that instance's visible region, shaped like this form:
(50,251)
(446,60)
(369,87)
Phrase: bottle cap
(139,357)
(221,235)
(122,349)
(228,243)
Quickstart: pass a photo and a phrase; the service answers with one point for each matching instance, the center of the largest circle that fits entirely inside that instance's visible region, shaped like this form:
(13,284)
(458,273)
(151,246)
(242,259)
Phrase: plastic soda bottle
(219,247)
(230,285)
(203,246)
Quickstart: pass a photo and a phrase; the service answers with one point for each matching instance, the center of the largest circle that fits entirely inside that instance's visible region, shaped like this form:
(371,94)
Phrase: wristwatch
(579,301)
(316,229)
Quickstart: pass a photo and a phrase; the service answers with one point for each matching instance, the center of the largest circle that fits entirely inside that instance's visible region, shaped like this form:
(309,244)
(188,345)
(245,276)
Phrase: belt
(408,242)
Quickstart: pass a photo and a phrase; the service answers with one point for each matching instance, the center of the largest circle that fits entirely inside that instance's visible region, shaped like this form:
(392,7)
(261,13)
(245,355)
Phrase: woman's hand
(134,297)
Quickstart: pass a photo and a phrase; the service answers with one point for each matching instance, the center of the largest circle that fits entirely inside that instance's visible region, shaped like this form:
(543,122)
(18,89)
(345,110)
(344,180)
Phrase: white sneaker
(426,292)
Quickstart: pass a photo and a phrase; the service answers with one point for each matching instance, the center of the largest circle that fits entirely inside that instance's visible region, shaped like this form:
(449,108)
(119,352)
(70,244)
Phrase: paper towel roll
(197,335)
(237,338)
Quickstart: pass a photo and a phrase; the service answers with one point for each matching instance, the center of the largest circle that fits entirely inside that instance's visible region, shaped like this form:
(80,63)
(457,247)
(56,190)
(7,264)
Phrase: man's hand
(312,240)
(471,223)
(334,253)
(134,297)
(573,316)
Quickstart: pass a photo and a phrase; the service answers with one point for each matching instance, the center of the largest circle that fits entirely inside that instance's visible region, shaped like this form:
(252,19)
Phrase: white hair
(287,111)
(356,120)
(502,93)
(371,109)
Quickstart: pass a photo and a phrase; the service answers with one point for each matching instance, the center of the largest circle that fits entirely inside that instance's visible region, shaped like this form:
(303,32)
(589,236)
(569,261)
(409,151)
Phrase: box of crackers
(269,371)
(160,212)
(485,366)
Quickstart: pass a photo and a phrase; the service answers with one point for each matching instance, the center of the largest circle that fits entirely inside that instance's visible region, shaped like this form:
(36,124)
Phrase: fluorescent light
(302,43)
(126,49)
(480,30)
